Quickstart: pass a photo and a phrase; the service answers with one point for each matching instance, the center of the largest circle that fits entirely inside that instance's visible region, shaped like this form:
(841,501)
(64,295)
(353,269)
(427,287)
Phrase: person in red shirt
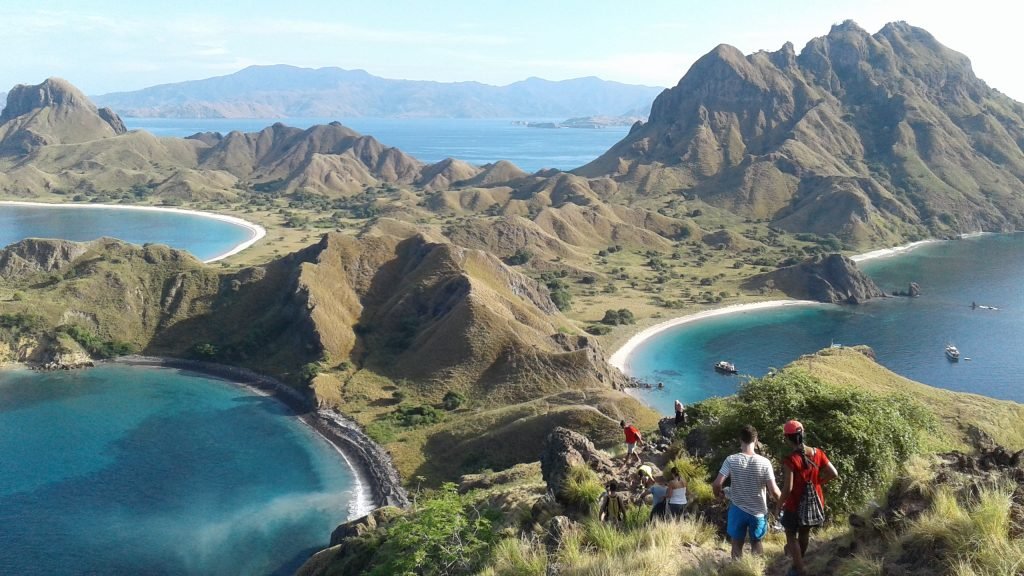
(802,467)
(633,438)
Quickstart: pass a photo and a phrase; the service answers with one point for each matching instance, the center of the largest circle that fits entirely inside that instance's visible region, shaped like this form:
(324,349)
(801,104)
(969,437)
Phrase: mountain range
(288,91)
(867,136)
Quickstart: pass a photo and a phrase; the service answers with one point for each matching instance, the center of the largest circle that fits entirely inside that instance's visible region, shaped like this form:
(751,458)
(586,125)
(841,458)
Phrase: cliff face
(859,135)
(830,278)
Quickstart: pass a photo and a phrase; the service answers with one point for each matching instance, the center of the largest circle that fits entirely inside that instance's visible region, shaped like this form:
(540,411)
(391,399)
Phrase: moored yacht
(952,353)
(725,367)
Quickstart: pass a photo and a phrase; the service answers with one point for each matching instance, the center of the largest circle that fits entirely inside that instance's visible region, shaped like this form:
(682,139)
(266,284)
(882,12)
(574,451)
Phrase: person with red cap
(804,471)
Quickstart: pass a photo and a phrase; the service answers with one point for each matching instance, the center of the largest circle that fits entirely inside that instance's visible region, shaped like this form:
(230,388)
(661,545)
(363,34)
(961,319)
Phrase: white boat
(726,367)
(952,353)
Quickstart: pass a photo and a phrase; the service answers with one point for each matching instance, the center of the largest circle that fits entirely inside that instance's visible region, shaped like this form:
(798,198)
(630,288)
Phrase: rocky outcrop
(564,449)
(830,278)
(364,525)
(53,112)
(34,255)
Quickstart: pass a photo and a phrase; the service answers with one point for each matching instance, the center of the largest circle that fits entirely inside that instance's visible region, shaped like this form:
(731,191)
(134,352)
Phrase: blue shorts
(740,524)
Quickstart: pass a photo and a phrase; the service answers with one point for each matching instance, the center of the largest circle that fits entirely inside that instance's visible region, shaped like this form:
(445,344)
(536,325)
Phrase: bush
(203,351)
(617,317)
(561,299)
(422,415)
(452,400)
(597,329)
(522,256)
(444,535)
(95,345)
(866,436)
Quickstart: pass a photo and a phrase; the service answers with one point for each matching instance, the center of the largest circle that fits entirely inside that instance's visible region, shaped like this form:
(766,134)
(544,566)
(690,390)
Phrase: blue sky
(105,46)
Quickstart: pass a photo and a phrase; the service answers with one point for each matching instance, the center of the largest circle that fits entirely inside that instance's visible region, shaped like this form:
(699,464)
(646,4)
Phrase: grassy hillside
(964,509)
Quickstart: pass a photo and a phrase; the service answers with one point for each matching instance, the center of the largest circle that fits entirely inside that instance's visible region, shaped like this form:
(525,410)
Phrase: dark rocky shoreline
(371,463)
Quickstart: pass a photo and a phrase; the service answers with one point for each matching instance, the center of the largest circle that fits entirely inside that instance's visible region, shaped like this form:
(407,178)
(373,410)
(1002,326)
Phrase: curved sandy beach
(620,359)
(256,231)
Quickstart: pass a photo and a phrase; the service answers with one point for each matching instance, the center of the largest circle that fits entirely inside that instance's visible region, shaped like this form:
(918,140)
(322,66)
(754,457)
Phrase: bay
(202,236)
(132,470)
(474,140)
(908,335)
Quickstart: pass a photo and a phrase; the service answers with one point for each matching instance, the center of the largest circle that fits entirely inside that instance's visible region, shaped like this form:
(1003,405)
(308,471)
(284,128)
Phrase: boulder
(557,529)
(564,449)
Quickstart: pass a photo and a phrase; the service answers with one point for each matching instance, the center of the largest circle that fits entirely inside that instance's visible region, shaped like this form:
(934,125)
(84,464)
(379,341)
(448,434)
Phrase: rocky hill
(348,321)
(53,112)
(873,137)
(830,278)
(289,91)
(96,154)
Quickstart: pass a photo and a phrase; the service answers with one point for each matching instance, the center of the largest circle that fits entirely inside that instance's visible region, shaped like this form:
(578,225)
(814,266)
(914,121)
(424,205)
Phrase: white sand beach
(257,232)
(620,359)
(886,252)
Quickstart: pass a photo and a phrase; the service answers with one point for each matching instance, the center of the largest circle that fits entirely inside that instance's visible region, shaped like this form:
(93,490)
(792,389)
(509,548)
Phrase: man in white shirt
(752,476)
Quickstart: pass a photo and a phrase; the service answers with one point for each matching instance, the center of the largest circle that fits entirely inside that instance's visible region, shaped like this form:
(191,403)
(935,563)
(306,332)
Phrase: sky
(108,46)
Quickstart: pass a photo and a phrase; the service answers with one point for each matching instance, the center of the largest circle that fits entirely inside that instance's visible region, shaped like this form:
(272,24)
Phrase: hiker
(680,413)
(750,475)
(676,494)
(802,505)
(614,504)
(633,438)
(659,503)
(640,477)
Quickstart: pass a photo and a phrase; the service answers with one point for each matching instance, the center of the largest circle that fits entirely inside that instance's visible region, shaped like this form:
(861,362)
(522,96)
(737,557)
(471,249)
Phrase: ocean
(908,335)
(132,470)
(474,140)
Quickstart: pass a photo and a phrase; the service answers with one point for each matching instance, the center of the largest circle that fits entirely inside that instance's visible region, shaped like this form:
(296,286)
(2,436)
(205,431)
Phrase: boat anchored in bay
(725,367)
(952,353)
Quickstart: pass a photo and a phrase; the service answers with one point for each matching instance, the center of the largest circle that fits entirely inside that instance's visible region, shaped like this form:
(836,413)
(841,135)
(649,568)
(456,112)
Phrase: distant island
(586,122)
(282,91)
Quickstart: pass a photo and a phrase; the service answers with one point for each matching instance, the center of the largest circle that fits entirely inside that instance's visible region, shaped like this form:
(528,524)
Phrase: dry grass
(1002,420)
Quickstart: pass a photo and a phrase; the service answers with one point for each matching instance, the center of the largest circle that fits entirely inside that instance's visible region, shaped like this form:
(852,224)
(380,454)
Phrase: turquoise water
(203,237)
(129,470)
(478,141)
(908,334)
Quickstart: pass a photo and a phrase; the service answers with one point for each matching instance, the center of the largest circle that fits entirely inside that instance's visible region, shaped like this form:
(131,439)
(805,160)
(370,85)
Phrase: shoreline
(256,231)
(620,358)
(377,483)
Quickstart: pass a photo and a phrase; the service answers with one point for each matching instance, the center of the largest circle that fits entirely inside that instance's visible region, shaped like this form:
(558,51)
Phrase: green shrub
(617,317)
(522,256)
(422,415)
(597,329)
(866,436)
(95,345)
(453,400)
(443,535)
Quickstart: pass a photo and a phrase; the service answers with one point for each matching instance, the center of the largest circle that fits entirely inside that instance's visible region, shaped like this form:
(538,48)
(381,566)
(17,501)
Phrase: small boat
(725,367)
(952,353)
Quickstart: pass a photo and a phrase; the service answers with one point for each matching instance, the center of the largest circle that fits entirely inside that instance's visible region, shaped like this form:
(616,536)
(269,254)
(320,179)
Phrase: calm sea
(126,470)
(477,141)
(909,335)
(203,237)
